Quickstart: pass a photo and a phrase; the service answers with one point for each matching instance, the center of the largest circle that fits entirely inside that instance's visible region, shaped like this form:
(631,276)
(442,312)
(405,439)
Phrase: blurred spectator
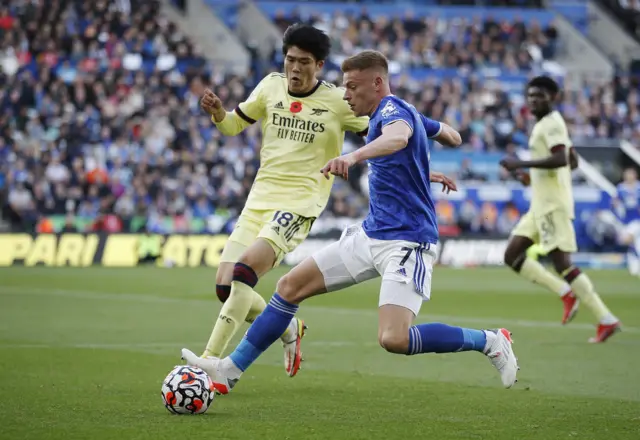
(489,217)
(446,216)
(467,173)
(21,206)
(469,217)
(507,219)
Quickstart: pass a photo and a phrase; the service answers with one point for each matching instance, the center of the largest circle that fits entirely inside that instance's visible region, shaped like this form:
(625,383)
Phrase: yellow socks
(257,306)
(233,313)
(536,273)
(583,288)
(243,304)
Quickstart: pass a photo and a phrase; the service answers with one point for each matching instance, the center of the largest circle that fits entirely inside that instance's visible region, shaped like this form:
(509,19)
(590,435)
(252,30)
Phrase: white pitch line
(143,298)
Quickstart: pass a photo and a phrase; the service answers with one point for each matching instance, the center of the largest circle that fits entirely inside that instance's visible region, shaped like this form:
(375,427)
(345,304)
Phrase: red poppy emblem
(296,107)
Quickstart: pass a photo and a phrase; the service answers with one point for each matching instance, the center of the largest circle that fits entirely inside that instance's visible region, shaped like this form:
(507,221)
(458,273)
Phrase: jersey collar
(379,104)
(306,94)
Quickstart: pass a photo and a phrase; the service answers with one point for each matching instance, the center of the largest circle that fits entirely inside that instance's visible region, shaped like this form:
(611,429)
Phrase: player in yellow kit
(549,222)
(303,124)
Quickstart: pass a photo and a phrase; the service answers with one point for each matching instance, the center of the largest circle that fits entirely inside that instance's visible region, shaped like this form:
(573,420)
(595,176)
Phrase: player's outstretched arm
(394,137)
(234,122)
(211,104)
(448,136)
(229,123)
(441,132)
(558,159)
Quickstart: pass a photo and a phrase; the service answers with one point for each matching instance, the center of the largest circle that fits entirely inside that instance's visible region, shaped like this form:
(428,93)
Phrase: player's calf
(608,323)
(561,260)
(517,258)
(393,325)
(278,315)
(394,342)
(224,276)
(515,253)
(235,309)
(443,338)
(397,335)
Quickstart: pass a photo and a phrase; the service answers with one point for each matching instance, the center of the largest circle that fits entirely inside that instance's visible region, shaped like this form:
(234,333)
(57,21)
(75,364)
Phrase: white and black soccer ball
(187,390)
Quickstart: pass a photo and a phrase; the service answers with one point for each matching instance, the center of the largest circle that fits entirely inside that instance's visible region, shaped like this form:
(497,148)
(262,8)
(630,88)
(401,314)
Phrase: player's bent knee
(224,275)
(295,288)
(260,256)
(394,342)
(245,274)
(516,252)
(290,290)
(304,281)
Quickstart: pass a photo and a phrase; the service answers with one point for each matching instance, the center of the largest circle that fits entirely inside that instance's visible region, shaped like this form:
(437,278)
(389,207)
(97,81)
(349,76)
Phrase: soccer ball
(187,390)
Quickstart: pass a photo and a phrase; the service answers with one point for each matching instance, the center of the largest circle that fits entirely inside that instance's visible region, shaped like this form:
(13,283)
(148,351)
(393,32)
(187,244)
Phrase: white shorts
(632,228)
(406,267)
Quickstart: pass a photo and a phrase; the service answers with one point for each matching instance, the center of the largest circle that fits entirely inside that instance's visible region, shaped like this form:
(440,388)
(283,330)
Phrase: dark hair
(367,59)
(307,38)
(545,83)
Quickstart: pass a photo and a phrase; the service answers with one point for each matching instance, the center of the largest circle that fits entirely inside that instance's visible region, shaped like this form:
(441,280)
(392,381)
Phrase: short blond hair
(367,59)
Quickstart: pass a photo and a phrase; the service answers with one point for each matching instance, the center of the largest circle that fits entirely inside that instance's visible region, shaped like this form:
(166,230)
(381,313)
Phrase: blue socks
(423,338)
(442,338)
(264,331)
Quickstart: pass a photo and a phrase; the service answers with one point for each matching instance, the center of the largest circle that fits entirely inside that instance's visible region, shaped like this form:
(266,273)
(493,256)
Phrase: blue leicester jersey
(400,202)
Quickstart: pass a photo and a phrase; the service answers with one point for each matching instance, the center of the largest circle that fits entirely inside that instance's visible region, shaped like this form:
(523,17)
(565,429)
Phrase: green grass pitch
(83,353)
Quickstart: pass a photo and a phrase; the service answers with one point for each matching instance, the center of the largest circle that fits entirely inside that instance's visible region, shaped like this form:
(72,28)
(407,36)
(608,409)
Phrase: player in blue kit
(626,206)
(396,241)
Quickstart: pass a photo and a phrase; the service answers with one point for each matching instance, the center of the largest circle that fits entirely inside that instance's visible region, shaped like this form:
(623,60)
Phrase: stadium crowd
(99,118)
(415,41)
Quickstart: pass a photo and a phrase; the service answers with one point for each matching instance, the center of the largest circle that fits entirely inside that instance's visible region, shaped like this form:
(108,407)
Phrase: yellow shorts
(553,230)
(284,230)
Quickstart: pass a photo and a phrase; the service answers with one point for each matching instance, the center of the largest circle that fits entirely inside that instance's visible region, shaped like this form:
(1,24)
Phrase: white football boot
(292,352)
(223,379)
(500,353)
